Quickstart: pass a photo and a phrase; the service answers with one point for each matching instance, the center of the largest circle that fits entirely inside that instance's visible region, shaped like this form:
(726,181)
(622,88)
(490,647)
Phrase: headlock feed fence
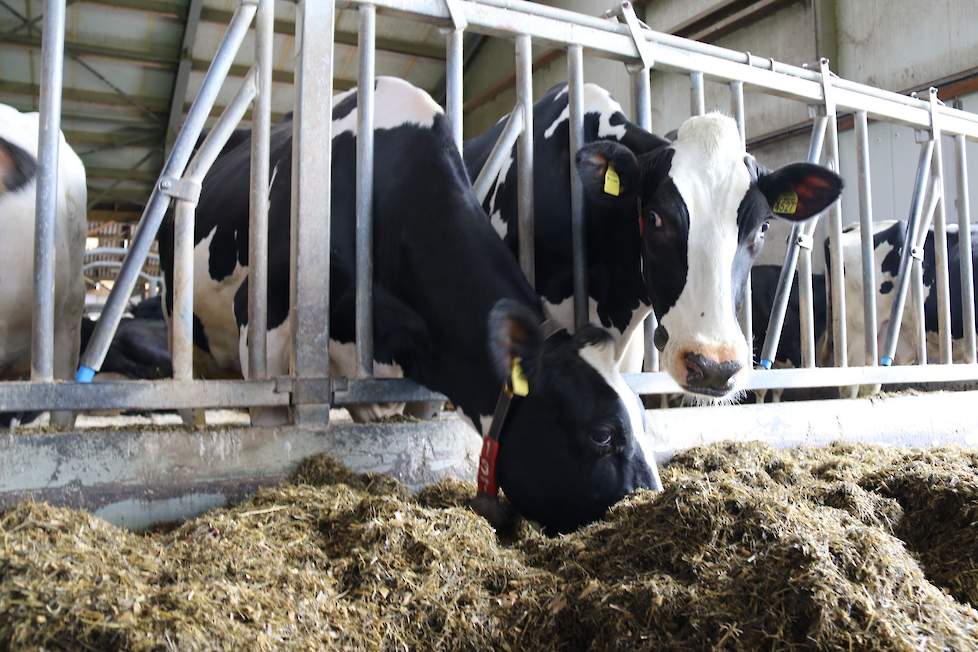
(617,35)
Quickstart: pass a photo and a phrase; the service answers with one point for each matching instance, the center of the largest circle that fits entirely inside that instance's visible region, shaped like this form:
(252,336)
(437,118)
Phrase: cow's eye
(655,220)
(602,437)
(765,225)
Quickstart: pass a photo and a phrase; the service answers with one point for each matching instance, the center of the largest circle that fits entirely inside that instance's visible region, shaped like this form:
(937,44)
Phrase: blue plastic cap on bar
(84,374)
(886,361)
(765,363)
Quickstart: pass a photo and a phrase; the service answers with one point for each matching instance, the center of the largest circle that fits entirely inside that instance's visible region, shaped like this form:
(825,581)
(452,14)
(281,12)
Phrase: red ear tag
(641,226)
(487,467)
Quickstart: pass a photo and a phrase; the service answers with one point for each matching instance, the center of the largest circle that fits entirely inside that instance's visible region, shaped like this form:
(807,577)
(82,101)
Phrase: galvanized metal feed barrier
(618,35)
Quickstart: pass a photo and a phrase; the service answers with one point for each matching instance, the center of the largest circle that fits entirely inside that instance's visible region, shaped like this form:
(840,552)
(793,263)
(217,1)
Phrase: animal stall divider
(619,36)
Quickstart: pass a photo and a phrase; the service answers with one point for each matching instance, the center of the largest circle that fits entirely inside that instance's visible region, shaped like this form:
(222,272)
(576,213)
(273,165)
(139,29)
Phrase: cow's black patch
(886,287)
(17,167)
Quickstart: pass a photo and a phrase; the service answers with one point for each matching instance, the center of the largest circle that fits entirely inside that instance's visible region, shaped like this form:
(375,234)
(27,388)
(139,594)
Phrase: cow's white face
(701,205)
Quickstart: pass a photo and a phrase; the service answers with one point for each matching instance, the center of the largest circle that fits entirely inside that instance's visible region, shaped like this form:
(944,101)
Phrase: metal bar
(866,236)
(697,94)
(311,206)
(140,394)
(903,276)
(613,40)
(964,250)
(365,194)
(46,205)
(454,59)
(642,94)
(737,108)
(524,157)
(261,124)
(917,271)
(501,151)
(381,390)
(798,234)
(919,314)
(940,238)
(575,101)
(158,202)
(838,282)
(663,383)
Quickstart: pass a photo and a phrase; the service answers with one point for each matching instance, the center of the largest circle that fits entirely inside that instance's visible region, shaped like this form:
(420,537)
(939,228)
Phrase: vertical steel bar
(919,317)
(524,156)
(642,95)
(46,204)
(737,108)
(697,94)
(964,250)
(575,99)
(903,275)
(838,294)
(454,60)
(261,124)
(311,207)
(940,238)
(500,152)
(365,193)
(158,202)
(799,233)
(181,321)
(866,235)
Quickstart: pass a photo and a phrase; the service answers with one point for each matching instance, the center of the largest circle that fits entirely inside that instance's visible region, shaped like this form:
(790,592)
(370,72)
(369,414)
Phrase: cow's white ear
(800,190)
(515,344)
(609,171)
(17,167)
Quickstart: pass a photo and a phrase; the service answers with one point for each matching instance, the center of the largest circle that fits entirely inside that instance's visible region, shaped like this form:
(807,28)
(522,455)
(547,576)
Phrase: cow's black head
(568,449)
(701,207)
(17,167)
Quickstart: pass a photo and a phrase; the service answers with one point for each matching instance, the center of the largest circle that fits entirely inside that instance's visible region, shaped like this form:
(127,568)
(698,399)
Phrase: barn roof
(124,93)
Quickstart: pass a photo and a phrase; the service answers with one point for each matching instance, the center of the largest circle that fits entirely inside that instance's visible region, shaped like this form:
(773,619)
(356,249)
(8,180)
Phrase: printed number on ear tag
(787,203)
(518,381)
(612,184)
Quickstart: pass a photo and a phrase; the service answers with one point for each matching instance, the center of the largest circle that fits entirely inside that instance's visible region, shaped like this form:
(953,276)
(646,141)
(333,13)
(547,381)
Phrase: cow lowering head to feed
(671,226)
(451,308)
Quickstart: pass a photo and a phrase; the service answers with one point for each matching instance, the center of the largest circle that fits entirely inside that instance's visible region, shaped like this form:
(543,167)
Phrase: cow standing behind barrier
(18,172)
(452,308)
(889,237)
(670,225)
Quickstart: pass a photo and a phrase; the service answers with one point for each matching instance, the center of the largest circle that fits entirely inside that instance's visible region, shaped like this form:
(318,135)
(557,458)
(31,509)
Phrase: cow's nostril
(709,374)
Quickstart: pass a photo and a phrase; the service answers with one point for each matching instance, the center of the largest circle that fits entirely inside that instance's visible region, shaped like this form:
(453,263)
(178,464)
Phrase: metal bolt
(164,185)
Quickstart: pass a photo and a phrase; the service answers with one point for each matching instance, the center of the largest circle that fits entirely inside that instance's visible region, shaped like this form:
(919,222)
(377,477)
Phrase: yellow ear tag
(787,203)
(518,381)
(612,184)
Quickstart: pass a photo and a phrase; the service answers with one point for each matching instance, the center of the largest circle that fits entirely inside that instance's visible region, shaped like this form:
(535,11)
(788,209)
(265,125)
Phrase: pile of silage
(748,548)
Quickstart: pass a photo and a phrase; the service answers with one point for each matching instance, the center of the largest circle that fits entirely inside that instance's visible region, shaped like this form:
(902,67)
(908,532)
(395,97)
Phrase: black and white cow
(889,237)
(140,348)
(18,173)
(675,227)
(452,309)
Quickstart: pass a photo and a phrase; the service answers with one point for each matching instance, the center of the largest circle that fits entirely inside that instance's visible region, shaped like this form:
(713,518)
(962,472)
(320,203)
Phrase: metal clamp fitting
(182,189)
(455,13)
(804,241)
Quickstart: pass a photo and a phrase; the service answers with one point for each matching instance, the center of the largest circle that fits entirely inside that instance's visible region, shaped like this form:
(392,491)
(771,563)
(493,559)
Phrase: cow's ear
(17,167)
(515,345)
(800,190)
(609,171)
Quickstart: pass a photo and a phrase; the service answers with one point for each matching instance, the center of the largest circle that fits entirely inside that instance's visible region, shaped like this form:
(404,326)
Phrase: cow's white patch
(214,307)
(563,314)
(595,100)
(343,363)
(602,358)
(402,104)
(709,172)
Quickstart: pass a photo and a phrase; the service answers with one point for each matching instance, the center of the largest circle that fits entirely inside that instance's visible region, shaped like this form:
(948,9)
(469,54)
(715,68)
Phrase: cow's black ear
(17,167)
(515,340)
(609,172)
(800,190)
